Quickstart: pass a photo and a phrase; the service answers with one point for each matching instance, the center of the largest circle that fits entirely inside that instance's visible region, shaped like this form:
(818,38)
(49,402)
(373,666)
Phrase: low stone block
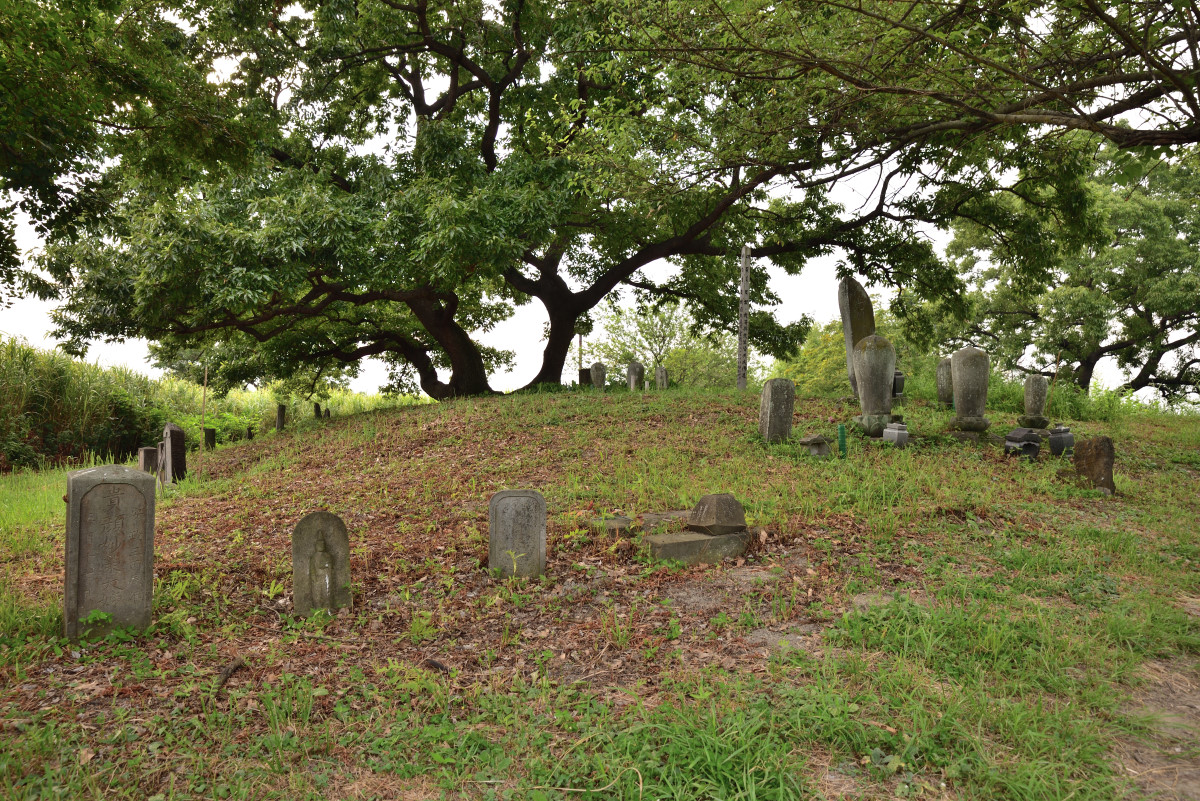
(817,446)
(896,433)
(1022,441)
(617,524)
(652,520)
(693,548)
(717,514)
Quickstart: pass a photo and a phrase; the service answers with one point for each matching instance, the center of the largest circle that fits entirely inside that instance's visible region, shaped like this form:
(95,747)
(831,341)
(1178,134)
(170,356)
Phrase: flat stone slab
(611,525)
(652,520)
(693,548)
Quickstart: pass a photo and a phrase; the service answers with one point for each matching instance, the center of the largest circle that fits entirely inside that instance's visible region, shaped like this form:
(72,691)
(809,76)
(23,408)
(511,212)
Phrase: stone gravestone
(858,320)
(874,370)
(109,549)
(660,377)
(716,530)
(1094,460)
(320,564)
(172,462)
(210,439)
(148,460)
(945,384)
(517,533)
(280,415)
(249,432)
(316,410)
(969,368)
(1037,387)
(327,414)
(635,374)
(585,377)
(775,409)
(599,374)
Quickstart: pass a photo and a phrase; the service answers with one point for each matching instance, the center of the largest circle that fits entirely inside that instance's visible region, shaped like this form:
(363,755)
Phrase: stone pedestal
(1024,442)
(635,374)
(817,445)
(896,433)
(775,409)
(517,533)
(109,550)
(1037,388)
(599,375)
(970,371)
(874,370)
(320,564)
(661,380)
(858,320)
(717,514)
(1062,441)
(945,384)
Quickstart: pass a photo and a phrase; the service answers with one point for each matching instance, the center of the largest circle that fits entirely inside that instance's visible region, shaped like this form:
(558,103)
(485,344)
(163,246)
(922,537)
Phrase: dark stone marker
(1062,441)
(585,377)
(210,439)
(109,549)
(148,460)
(317,410)
(898,385)
(775,409)
(320,564)
(327,415)
(517,533)
(717,515)
(280,415)
(1023,441)
(172,462)
(858,320)
(249,432)
(1094,461)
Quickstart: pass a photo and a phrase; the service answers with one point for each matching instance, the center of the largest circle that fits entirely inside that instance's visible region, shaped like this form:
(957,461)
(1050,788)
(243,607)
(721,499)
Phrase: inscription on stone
(517,533)
(320,564)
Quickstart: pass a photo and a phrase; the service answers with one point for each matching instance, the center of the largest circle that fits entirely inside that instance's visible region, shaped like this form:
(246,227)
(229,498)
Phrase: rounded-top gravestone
(320,564)
(599,375)
(970,371)
(858,320)
(874,370)
(660,377)
(635,374)
(517,533)
(775,409)
(1037,387)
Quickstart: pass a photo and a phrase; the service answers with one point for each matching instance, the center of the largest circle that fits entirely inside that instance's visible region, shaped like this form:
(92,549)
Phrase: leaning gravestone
(599,374)
(1094,460)
(1036,389)
(517,533)
(148,460)
(109,549)
(858,320)
(775,409)
(320,564)
(635,374)
(945,384)
(874,370)
(660,377)
(969,367)
(172,463)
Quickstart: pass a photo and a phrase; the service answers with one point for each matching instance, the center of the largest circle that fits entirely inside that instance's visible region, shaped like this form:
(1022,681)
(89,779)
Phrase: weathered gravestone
(320,564)
(858,320)
(517,533)
(280,416)
(817,445)
(327,414)
(874,369)
(172,461)
(317,410)
(775,409)
(635,374)
(599,375)
(969,367)
(717,514)
(1094,460)
(1037,388)
(210,439)
(585,376)
(1023,442)
(716,530)
(249,432)
(109,550)
(148,460)
(945,383)
(660,377)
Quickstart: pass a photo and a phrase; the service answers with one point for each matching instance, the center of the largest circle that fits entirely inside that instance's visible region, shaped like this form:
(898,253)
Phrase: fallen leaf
(86,755)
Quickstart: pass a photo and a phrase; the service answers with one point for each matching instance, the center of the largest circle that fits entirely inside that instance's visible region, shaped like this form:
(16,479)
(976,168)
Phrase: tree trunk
(468,373)
(558,347)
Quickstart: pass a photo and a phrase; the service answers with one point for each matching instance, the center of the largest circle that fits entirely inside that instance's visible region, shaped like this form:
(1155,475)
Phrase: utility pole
(743,318)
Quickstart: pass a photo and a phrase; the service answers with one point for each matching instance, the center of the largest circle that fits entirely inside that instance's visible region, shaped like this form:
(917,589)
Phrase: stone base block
(872,424)
(693,548)
(1033,422)
(970,423)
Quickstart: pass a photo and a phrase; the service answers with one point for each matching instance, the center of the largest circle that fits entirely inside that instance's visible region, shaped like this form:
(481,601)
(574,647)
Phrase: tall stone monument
(775,409)
(320,564)
(858,320)
(517,533)
(599,375)
(874,370)
(635,374)
(172,463)
(109,550)
(970,370)
(661,380)
(945,384)
(1037,388)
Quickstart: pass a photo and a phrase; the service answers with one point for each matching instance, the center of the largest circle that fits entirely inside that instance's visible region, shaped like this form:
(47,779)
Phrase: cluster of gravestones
(635,376)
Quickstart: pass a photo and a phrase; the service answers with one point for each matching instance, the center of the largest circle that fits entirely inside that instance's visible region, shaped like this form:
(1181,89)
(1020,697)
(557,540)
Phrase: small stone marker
(896,433)
(172,462)
(249,432)
(1062,441)
(661,380)
(599,374)
(875,369)
(320,564)
(635,374)
(717,514)
(109,549)
(1094,461)
(280,416)
(148,460)
(858,320)
(327,414)
(969,369)
(775,409)
(317,410)
(617,524)
(945,384)
(898,386)
(1036,389)
(210,439)
(1023,441)
(517,532)
(585,377)
(817,446)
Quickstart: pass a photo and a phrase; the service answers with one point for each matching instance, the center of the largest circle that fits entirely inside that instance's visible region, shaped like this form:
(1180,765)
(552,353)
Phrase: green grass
(1027,612)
